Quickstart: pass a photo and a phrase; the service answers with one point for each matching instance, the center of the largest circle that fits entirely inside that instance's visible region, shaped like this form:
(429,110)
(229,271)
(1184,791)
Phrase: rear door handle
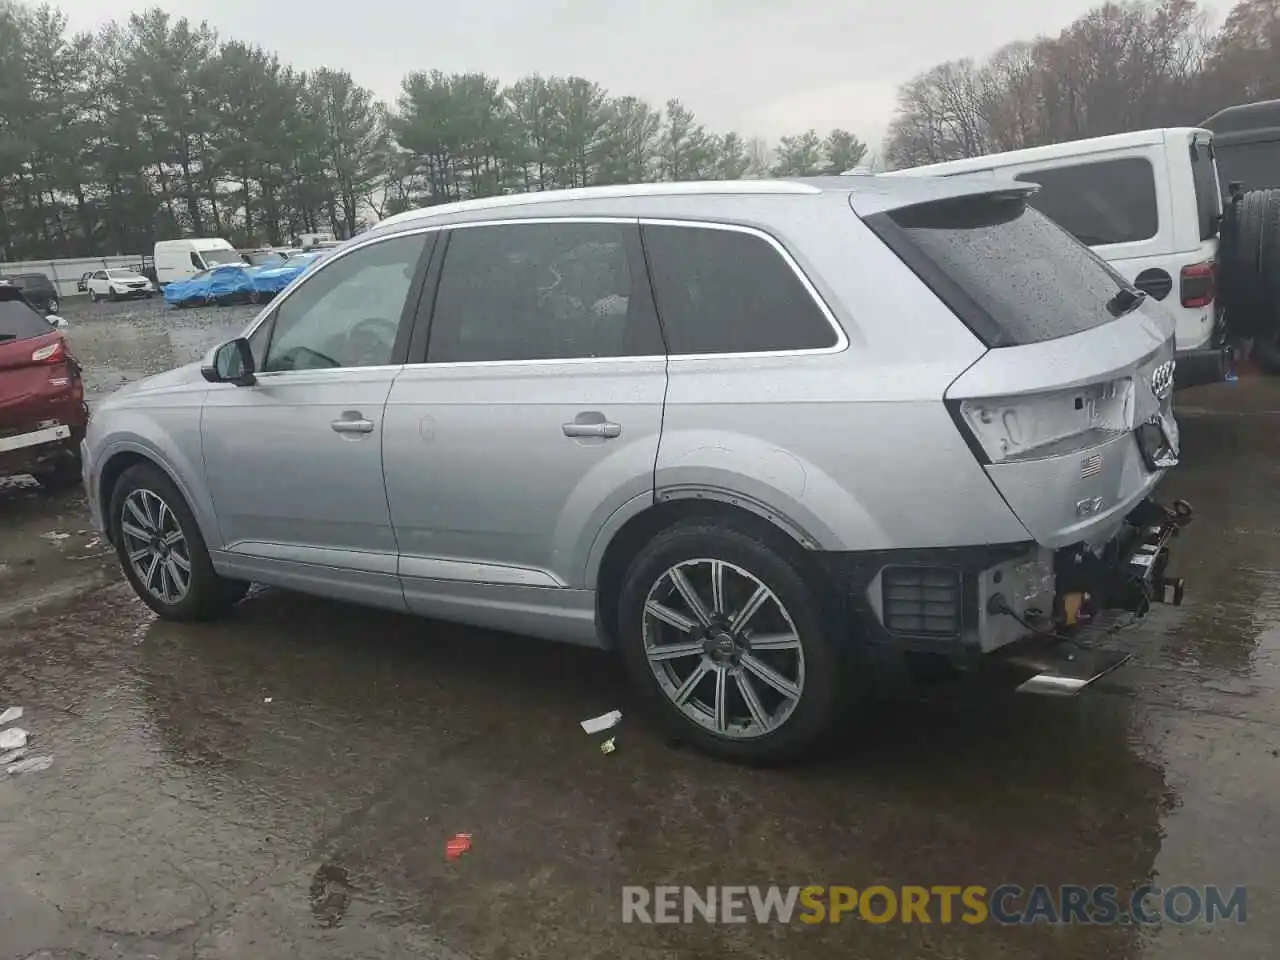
(604,430)
(352,424)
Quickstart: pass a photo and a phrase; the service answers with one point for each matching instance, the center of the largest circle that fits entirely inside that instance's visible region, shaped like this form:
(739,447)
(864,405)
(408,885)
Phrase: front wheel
(725,635)
(54,305)
(161,550)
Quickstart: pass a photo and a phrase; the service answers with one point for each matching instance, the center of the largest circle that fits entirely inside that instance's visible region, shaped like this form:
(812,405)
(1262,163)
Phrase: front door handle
(352,422)
(605,430)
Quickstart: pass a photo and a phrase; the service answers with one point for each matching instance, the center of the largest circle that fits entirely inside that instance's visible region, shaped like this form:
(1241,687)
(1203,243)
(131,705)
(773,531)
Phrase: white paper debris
(31,765)
(10,715)
(13,738)
(267,699)
(12,756)
(55,537)
(602,722)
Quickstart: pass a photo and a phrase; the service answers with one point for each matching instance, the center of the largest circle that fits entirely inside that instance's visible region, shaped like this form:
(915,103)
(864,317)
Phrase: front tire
(54,305)
(161,550)
(726,635)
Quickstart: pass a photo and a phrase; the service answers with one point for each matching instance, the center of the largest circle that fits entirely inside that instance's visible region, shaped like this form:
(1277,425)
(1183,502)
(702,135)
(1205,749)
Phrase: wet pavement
(283,783)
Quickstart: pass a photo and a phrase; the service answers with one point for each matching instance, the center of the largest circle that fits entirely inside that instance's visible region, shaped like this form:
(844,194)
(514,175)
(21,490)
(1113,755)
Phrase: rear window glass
(19,322)
(1110,201)
(1010,273)
(1208,201)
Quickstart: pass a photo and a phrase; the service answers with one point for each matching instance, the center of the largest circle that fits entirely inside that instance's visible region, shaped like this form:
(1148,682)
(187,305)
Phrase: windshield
(1008,271)
(220,256)
(266,258)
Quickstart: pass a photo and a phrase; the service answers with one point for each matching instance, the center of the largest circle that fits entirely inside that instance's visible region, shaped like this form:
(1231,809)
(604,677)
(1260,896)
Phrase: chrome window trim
(841,344)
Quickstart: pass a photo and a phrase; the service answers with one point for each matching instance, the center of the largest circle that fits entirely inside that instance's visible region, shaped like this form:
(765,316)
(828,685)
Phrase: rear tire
(1250,256)
(63,474)
(162,551)
(707,676)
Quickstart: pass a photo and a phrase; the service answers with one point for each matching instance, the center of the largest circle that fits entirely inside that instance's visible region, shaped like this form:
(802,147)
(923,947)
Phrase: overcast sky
(761,67)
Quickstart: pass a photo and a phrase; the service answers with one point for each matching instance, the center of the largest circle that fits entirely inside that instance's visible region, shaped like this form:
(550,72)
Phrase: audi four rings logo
(1162,380)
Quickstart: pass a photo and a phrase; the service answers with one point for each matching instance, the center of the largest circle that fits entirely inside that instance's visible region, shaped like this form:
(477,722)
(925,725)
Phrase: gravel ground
(283,783)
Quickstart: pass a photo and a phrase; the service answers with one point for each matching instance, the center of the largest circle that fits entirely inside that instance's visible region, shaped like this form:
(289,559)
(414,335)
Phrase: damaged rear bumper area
(1045,611)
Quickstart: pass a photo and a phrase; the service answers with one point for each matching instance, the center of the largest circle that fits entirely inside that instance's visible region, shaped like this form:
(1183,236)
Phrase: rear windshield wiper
(1125,301)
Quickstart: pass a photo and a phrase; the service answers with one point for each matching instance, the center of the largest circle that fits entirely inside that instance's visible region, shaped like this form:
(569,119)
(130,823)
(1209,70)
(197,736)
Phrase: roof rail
(681,188)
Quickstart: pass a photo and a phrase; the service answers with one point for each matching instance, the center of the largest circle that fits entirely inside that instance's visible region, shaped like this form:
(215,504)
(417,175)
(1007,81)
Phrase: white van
(179,259)
(1148,202)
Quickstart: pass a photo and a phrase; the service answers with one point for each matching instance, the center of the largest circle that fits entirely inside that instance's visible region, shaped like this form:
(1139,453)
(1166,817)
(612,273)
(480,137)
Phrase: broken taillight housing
(1050,424)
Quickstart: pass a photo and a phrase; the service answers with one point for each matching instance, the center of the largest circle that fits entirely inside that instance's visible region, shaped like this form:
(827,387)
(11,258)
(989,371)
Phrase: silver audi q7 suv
(766,439)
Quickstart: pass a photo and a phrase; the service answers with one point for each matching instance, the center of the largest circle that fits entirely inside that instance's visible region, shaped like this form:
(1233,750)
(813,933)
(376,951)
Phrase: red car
(42,409)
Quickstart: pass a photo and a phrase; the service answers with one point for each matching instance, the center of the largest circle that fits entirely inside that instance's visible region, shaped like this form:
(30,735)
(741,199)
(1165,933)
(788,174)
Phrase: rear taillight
(1199,284)
(55,352)
(1050,424)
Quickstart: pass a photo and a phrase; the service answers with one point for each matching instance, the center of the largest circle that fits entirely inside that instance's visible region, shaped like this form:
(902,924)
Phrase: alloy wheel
(156,546)
(723,648)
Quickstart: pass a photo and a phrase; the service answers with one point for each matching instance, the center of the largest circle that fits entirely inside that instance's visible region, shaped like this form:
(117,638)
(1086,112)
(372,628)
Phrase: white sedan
(118,285)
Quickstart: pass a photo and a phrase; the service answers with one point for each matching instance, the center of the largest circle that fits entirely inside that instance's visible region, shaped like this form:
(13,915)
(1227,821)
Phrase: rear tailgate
(1071,410)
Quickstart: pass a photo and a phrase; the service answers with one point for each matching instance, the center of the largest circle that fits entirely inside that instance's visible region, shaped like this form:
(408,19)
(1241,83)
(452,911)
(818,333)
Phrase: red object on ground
(457,846)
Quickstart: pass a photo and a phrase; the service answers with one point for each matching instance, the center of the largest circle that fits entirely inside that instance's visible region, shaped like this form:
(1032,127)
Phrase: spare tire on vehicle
(1250,272)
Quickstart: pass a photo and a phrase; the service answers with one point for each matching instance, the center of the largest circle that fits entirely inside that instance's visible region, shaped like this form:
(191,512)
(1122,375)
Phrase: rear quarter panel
(851,449)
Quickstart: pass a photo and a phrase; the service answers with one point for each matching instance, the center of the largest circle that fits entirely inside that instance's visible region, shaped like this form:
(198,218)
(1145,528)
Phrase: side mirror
(231,362)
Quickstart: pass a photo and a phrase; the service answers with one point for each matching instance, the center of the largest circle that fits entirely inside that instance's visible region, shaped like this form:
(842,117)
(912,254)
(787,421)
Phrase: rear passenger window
(542,291)
(1111,201)
(727,291)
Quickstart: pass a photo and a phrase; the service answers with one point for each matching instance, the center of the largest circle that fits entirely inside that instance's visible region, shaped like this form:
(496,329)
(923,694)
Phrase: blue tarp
(229,280)
(273,279)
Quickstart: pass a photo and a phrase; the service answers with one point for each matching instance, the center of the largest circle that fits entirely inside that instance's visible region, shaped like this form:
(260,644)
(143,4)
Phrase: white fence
(65,273)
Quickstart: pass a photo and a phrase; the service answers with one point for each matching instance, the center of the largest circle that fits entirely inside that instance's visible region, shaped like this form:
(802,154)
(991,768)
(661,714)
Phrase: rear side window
(1011,274)
(726,291)
(542,291)
(19,322)
(1205,175)
(1110,201)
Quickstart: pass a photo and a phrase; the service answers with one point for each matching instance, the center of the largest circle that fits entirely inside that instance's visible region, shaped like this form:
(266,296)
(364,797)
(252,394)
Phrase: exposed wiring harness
(999,606)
